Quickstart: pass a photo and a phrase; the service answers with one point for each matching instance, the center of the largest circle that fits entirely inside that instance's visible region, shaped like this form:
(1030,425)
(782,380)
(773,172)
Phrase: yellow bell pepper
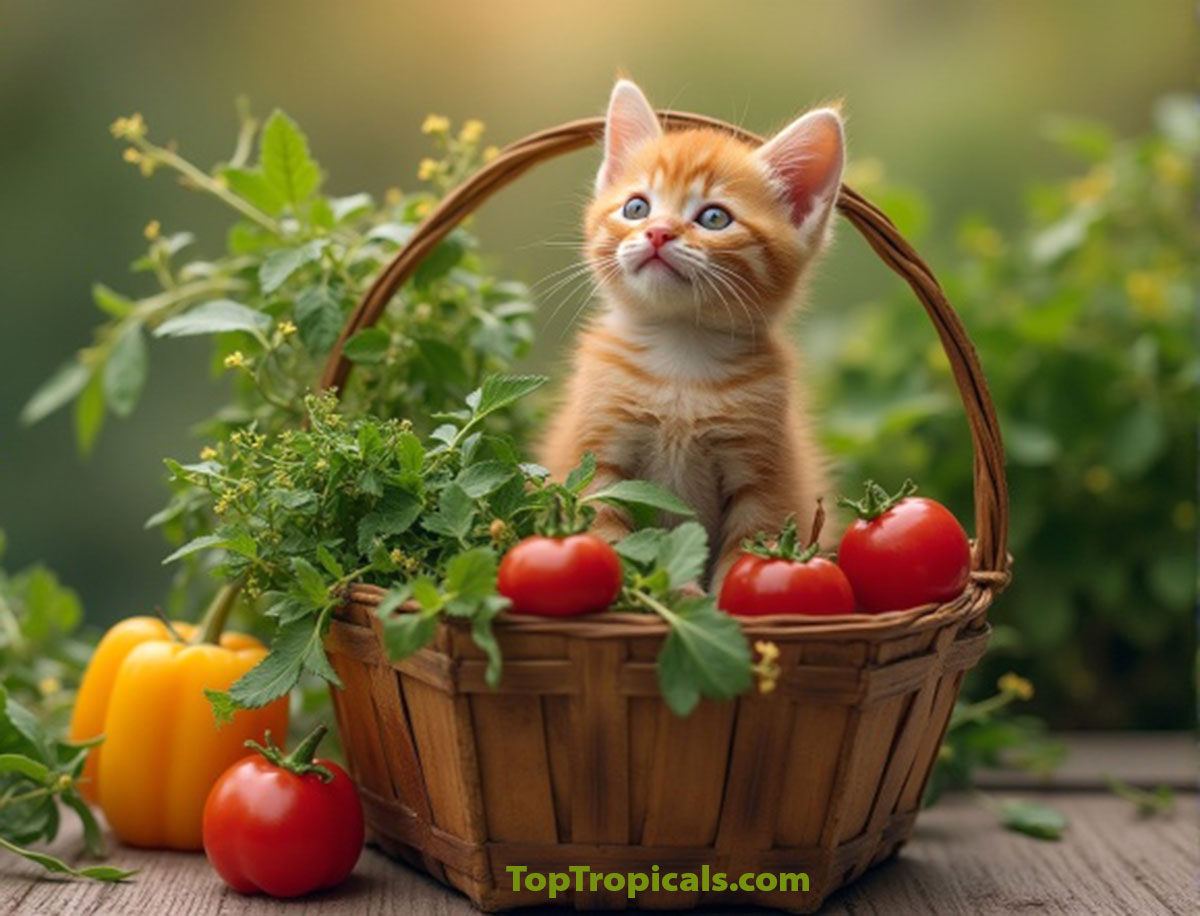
(162,751)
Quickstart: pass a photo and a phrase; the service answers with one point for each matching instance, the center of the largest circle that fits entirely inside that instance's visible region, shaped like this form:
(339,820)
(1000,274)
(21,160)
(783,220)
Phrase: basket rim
(976,597)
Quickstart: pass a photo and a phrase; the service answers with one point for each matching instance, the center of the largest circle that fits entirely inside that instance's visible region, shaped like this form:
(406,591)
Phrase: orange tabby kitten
(686,377)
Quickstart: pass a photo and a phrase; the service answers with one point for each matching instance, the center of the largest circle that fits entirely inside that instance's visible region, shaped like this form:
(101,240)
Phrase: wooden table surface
(959,862)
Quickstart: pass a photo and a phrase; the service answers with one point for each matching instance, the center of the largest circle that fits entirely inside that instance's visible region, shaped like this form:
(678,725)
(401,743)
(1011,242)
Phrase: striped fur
(685,376)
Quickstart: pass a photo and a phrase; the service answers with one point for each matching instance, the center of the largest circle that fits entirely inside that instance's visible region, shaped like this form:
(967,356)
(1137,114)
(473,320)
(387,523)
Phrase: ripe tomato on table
(782,578)
(560,576)
(283,825)
(903,551)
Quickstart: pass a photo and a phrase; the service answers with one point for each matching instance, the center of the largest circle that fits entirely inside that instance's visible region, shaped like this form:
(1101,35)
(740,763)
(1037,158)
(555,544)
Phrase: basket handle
(989,558)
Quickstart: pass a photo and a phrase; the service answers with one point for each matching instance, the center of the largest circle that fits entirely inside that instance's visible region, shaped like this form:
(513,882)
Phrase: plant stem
(215,618)
(206,182)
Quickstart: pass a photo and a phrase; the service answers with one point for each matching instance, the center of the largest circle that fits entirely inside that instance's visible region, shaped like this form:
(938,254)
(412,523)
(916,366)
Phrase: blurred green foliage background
(1070,253)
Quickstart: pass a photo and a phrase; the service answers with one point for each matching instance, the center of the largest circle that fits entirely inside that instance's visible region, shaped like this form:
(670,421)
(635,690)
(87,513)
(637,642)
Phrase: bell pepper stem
(212,625)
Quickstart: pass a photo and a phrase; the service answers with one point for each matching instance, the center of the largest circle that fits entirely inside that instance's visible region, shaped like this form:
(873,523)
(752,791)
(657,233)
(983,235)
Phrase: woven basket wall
(575,759)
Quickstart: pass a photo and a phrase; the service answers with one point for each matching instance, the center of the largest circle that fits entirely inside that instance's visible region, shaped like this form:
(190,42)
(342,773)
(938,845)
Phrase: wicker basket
(575,759)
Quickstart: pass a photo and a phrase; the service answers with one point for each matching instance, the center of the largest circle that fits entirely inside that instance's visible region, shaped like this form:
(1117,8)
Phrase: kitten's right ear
(631,122)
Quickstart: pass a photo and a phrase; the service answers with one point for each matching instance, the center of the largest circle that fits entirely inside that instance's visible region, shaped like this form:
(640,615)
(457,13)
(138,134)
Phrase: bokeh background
(1069,250)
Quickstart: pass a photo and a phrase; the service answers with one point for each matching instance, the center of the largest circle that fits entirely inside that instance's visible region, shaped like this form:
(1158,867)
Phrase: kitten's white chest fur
(688,406)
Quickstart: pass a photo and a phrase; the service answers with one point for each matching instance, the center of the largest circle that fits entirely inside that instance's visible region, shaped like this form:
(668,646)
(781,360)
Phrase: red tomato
(757,585)
(911,551)
(273,824)
(560,577)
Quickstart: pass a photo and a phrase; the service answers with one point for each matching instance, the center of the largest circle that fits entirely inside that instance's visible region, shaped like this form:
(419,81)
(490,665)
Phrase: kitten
(698,242)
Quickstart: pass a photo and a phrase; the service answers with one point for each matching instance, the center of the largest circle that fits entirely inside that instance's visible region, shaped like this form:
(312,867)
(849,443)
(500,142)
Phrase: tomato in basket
(903,551)
(783,578)
(560,576)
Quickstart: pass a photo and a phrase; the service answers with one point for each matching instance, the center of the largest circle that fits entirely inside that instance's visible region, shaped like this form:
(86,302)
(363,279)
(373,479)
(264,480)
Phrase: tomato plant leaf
(580,478)
(1032,818)
(58,866)
(705,654)
(318,318)
(279,265)
(683,553)
(643,493)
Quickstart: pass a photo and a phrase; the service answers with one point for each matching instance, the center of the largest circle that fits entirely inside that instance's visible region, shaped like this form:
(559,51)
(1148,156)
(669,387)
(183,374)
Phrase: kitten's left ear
(807,158)
(631,122)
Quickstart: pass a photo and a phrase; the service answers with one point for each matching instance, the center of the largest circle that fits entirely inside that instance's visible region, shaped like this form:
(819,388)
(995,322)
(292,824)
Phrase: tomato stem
(171,631)
(212,625)
(877,500)
(786,546)
(300,761)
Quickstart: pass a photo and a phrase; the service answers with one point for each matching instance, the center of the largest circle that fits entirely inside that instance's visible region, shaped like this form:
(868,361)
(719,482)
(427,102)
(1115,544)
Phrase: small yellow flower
(222,506)
(235,360)
(435,124)
(130,128)
(393,196)
(427,169)
(1015,685)
(322,464)
(1147,292)
(423,208)
(1093,186)
(396,555)
(471,131)
(48,686)
(490,153)
(1098,479)
(208,453)
(767,668)
(132,155)
(1172,168)
(423,312)
(152,230)
(286,328)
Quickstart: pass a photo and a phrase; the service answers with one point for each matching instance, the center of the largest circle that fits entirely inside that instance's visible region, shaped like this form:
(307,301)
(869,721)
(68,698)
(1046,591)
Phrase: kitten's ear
(631,122)
(806,158)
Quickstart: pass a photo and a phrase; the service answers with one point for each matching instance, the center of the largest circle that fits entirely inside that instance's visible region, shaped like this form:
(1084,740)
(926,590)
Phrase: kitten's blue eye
(714,217)
(636,208)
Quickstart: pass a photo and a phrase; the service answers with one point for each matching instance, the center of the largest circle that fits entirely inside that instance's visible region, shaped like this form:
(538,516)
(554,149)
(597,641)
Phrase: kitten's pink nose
(659,235)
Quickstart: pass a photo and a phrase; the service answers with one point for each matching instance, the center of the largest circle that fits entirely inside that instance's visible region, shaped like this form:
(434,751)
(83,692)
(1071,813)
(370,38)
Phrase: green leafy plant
(41,660)
(274,298)
(1084,319)
(307,512)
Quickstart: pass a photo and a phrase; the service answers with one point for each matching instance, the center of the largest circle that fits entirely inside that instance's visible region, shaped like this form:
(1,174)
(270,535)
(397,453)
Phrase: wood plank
(959,862)
(1145,759)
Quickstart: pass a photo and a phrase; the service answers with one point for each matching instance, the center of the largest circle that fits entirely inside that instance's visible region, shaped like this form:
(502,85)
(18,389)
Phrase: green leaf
(643,493)
(318,318)
(1032,818)
(444,258)
(215,317)
(444,362)
(369,346)
(484,636)
(125,371)
(425,593)
(581,477)
(93,838)
(327,559)
(274,676)
(642,547)
(485,477)
(345,209)
(498,391)
(69,379)
(471,575)
(204,542)
(455,513)
(224,707)
(279,265)
(287,164)
(404,634)
(410,454)
(394,515)
(252,185)
(26,766)
(705,654)
(89,414)
(310,584)
(111,302)
(51,864)
(683,553)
